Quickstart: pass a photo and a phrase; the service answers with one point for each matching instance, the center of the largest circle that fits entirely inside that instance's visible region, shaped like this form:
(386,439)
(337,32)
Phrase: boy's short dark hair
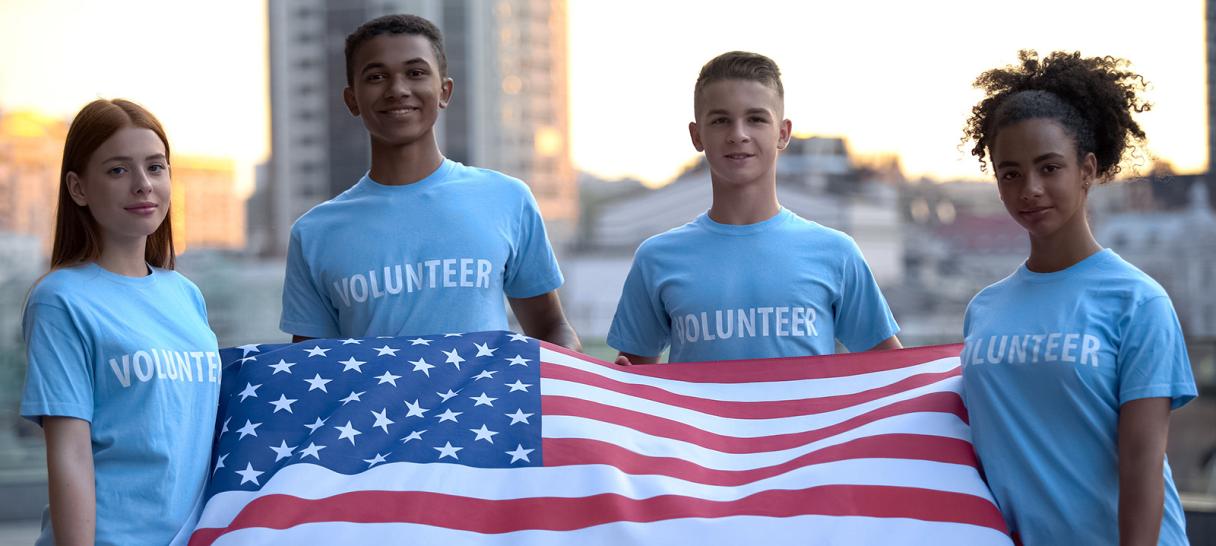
(395,24)
(740,65)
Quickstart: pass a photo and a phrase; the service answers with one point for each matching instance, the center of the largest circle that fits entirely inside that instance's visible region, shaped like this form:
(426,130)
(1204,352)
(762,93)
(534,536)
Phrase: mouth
(143,209)
(739,156)
(399,112)
(1033,213)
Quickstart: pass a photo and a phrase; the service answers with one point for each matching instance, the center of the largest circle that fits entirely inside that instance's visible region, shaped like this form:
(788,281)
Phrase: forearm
(542,317)
(1142,439)
(71,482)
(560,333)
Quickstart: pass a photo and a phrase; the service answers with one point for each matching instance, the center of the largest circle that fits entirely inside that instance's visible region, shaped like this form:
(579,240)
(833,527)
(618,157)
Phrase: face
(125,185)
(397,89)
(740,128)
(1040,179)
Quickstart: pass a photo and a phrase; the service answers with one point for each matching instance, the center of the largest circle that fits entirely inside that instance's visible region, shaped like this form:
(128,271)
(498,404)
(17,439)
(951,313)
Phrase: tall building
(509,110)
(1210,16)
(207,211)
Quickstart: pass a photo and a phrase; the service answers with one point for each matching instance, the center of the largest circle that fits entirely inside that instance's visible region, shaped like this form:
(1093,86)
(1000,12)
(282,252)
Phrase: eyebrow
(1044,157)
(377,64)
(129,159)
(719,111)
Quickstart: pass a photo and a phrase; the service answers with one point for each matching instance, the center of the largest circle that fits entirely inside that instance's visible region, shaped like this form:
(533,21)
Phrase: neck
(405,164)
(744,204)
(1062,249)
(124,256)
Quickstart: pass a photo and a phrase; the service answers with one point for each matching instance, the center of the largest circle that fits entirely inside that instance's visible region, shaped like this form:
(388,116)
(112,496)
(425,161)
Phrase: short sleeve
(641,325)
(531,269)
(307,310)
(1152,359)
(862,318)
(59,381)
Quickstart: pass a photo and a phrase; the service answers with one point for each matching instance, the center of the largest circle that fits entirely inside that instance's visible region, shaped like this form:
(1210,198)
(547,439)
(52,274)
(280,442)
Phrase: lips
(739,156)
(399,112)
(1033,213)
(141,208)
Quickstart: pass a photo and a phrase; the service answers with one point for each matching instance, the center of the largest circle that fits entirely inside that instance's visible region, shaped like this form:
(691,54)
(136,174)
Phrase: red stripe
(781,369)
(946,402)
(564,514)
(742,410)
(577,451)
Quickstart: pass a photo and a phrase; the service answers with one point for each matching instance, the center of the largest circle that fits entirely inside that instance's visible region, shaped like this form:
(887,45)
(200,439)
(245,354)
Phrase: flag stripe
(552,513)
(946,402)
(573,451)
(778,369)
(743,409)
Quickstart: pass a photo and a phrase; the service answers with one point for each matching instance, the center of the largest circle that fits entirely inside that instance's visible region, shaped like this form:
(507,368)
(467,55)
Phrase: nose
(399,87)
(141,182)
(1032,189)
(738,133)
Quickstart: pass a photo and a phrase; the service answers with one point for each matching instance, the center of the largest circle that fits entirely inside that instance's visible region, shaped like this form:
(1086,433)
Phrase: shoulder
(61,286)
(820,237)
(325,213)
(499,185)
(675,239)
(1119,274)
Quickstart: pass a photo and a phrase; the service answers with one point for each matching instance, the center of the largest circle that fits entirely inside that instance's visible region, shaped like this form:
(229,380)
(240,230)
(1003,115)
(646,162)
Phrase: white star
(519,337)
(519,417)
(518,386)
(352,364)
(386,350)
(451,335)
(250,390)
(350,341)
(449,415)
(388,378)
(313,450)
(312,429)
(420,341)
(317,383)
(382,420)
(485,374)
(453,358)
(219,463)
(482,400)
(352,397)
(316,351)
(374,460)
(348,432)
(483,433)
(416,435)
(421,365)
(518,360)
(283,403)
(282,366)
(283,451)
(483,349)
(225,429)
(520,453)
(250,429)
(415,409)
(249,474)
(448,451)
(446,395)
(246,359)
(251,348)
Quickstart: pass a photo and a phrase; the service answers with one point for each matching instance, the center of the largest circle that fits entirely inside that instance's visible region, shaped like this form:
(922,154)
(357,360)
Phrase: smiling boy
(421,244)
(748,278)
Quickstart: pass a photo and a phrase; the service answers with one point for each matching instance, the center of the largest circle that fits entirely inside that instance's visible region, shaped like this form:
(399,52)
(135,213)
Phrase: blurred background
(588,102)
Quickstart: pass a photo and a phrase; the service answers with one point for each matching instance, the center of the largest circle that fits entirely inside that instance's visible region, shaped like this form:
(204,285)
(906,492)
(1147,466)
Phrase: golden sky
(892,77)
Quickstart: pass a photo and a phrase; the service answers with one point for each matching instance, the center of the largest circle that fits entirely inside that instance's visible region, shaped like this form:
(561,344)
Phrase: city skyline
(908,72)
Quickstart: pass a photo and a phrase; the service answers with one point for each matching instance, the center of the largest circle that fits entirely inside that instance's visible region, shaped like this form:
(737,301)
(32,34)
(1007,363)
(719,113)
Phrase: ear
(1089,170)
(696,137)
(348,96)
(783,139)
(445,92)
(76,189)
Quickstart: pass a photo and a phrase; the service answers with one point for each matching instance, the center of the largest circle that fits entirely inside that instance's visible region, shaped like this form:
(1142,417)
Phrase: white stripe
(731,531)
(728,426)
(757,391)
(559,426)
(315,482)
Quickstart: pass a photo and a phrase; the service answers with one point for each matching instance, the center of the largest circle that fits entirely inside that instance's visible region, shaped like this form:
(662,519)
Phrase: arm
(629,359)
(888,344)
(542,318)
(1143,428)
(69,461)
(297,339)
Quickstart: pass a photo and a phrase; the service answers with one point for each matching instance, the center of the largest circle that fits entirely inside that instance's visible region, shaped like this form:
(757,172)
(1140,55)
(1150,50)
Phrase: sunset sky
(892,77)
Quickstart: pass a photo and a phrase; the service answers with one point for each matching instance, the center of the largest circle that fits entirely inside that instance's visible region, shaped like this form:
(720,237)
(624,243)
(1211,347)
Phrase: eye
(117,171)
(717,121)
(1049,168)
(758,119)
(156,168)
(416,73)
(1008,176)
(374,77)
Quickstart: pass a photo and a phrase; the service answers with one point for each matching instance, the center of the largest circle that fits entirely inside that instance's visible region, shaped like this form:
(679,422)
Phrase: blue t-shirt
(1048,360)
(429,257)
(782,287)
(135,358)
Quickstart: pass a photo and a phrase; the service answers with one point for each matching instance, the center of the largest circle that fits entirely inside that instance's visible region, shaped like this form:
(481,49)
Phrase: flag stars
(518,386)
(420,341)
(519,417)
(483,433)
(453,358)
(519,337)
(449,415)
(251,348)
(421,365)
(283,403)
(347,432)
(415,409)
(375,460)
(448,451)
(249,475)
(446,395)
(353,397)
(451,335)
(382,420)
(250,429)
(482,400)
(388,378)
(219,463)
(317,382)
(282,366)
(283,451)
(316,351)
(416,435)
(352,364)
(485,374)
(313,450)
(386,350)
(250,390)
(312,429)
(520,454)
(483,349)
(351,341)
(518,360)
(224,430)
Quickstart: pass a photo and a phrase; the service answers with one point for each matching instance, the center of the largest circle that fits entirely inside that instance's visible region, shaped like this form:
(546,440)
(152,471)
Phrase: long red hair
(77,239)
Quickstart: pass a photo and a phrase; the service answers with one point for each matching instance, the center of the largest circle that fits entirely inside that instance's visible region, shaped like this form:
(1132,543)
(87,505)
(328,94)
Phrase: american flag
(496,438)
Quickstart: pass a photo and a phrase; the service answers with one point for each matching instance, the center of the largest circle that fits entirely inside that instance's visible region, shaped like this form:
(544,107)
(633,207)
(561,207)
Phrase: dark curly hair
(1093,98)
(395,24)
